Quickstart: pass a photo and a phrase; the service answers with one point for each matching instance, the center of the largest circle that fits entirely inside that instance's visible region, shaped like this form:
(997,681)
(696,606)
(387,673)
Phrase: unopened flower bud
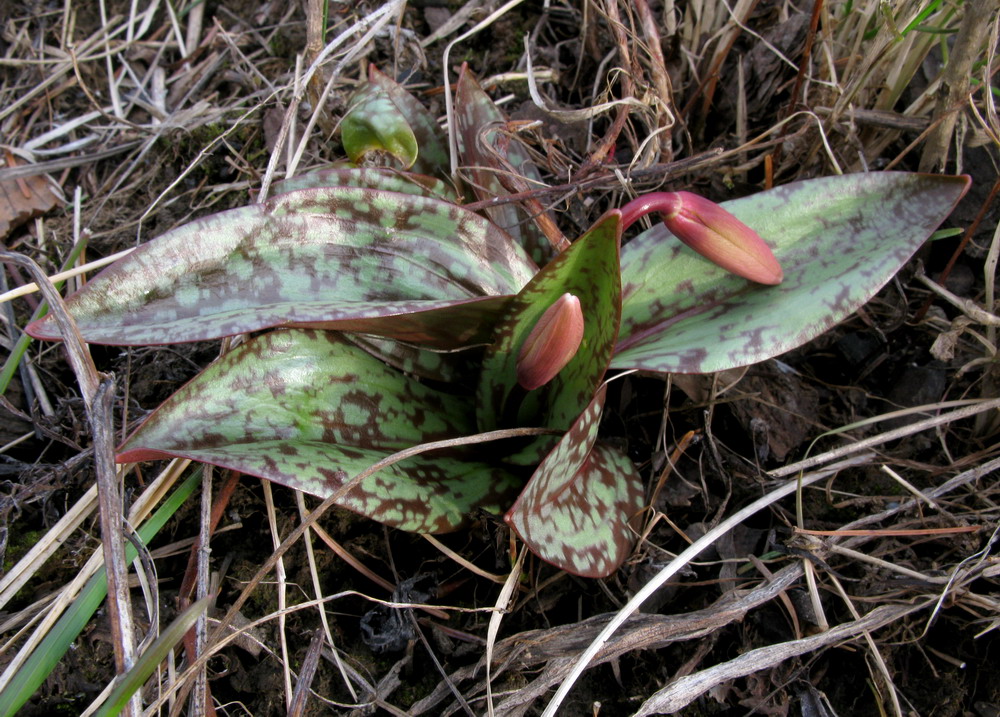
(711,231)
(722,238)
(551,344)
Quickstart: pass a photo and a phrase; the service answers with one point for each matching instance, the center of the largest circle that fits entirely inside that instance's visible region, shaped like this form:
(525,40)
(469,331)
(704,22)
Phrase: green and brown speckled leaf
(838,239)
(337,257)
(444,366)
(432,154)
(589,270)
(373,125)
(485,153)
(577,511)
(388,180)
(308,410)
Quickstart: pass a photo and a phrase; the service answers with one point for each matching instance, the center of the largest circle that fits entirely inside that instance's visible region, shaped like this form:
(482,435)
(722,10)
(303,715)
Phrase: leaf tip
(44,329)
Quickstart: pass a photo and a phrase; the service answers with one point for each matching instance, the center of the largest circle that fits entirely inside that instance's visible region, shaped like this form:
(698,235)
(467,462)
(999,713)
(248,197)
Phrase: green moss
(19,545)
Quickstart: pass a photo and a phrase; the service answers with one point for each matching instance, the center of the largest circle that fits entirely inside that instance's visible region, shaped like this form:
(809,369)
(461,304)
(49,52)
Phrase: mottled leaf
(432,155)
(389,180)
(444,366)
(486,153)
(838,239)
(578,509)
(374,125)
(588,270)
(308,410)
(343,257)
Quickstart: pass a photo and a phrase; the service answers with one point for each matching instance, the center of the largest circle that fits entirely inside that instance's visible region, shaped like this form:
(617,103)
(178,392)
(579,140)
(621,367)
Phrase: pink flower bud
(712,232)
(551,344)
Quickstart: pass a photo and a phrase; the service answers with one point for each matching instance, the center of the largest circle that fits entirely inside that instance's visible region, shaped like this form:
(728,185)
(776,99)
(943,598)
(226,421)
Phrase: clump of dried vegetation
(869,585)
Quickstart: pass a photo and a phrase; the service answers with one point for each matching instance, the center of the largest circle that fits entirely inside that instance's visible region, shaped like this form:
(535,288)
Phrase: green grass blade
(134,679)
(47,655)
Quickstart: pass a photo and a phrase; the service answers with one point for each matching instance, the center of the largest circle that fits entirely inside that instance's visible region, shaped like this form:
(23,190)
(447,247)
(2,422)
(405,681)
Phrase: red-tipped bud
(722,238)
(712,232)
(551,344)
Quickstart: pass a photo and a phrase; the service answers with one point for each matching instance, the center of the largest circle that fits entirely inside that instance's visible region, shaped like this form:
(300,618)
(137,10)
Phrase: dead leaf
(24,198)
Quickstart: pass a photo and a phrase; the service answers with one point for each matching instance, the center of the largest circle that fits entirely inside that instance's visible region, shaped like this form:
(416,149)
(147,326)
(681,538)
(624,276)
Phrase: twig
(98,396)
(957,415)
(502,605)
(966,306)
(63,275)
(676,565)
(683,691)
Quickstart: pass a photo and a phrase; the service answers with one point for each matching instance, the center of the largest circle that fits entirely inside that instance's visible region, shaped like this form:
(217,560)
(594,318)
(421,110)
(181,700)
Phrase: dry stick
(502,606)
(661,79)
(300,503)
(58,165)
(872,647)
(98,396)
(628,92)
(914,503)
(967,306)
(683,691)
(282,589)
(934,123)
(646,631)
(960,249)
(300,698)
(657,171)
(806,55)
(836,453)
(711,80)
(677,564)
(955,80)
(803,65)
(201,703)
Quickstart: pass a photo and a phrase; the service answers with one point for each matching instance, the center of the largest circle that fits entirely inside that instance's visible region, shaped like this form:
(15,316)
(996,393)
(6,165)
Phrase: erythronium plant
(402,318)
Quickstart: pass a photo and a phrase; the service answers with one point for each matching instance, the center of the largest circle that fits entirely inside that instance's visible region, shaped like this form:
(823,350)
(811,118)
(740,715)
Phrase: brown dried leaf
(24,198)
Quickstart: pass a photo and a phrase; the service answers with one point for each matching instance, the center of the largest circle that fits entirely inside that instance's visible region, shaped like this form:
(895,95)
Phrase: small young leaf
(432,157)
(307,410)
(338,257)
(485,154)
(374,125)
(577,510)
(838,239)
